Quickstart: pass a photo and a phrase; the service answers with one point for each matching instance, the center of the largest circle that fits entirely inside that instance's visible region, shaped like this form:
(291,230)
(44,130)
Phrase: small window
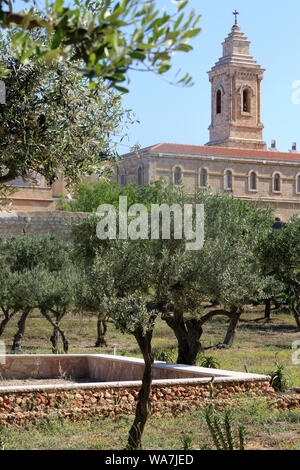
(219,102)
(177,176)
(203,178)
(277,183)
(123,178)
(246,101)
(253,181)
(298,184)
(228,180)
(140,177)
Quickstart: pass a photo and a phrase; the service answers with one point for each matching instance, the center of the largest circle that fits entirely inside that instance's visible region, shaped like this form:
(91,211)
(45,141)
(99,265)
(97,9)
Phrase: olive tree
(279,255)
(8,282)
(24,255)
(55,297)
(119,281)
(133,314)
(96,287)
(224,270)
(66,128)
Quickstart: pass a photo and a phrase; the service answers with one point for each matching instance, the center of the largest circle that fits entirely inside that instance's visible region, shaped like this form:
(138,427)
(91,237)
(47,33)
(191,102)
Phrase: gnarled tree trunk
(188,333)
(56,330)
(296,310)
(54,339)
(143,402)
(230,335)
(268,309)
(101,332)
(7,317)
(20,332)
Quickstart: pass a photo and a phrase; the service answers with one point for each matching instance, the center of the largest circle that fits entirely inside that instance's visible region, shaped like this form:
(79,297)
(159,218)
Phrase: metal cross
(236,13)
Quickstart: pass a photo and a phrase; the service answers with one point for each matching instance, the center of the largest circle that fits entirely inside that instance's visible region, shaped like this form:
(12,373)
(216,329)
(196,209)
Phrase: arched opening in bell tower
(219,102)
(246,100)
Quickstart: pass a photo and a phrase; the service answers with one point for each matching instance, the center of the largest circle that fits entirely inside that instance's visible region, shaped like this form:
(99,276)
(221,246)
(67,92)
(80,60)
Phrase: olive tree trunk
(101,332)
(296,310)
(57,330)
(143,401)
(17,342)
(230,334)
(7,317)
(268,309)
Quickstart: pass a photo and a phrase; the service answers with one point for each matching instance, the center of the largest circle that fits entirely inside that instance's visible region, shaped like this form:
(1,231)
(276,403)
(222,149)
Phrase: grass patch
(265,429)
(258,346)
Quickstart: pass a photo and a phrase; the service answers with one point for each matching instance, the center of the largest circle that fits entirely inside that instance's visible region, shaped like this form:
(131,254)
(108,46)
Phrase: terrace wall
(20,223)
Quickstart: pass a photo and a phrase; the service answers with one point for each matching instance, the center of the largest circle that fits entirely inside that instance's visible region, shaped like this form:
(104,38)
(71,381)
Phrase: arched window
(253,181)
(203,178)
(277,182)
(219,102)
(123,178)
(177,176)
(246,100)
(140,177)
(228,179)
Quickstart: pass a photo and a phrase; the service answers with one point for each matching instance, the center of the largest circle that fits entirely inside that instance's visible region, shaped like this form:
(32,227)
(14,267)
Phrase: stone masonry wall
(22,407)
(20,223)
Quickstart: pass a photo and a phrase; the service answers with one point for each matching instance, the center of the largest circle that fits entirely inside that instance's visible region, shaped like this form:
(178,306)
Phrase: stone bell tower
(236,95)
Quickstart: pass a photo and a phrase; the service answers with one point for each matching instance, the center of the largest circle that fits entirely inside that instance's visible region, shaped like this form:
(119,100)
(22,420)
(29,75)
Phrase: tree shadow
(269,327)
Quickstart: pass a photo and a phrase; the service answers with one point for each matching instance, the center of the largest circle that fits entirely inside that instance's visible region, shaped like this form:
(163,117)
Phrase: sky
(173,114)
(182,115)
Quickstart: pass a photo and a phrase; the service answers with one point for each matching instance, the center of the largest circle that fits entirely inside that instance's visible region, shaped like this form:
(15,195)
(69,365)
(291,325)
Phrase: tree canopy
(109,37)
(52,122)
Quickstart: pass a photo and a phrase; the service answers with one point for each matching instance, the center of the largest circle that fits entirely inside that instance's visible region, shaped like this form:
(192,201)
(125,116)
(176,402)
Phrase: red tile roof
(224,152)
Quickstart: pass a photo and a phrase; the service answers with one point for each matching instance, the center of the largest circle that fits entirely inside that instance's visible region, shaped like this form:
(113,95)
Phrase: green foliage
(108,37)
(279,255)
(90,195)
(172,277)
(21,253)
(208,361)
(2,438)
(164,354)
(66,128)
(223,432)
(187,442)
(279,379)
(131,313)
(38,272)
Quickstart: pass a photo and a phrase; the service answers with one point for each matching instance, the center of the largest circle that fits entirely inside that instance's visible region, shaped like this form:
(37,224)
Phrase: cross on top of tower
(236,13)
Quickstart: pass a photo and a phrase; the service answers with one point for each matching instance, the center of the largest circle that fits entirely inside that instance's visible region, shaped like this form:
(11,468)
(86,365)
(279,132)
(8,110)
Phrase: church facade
(236,159)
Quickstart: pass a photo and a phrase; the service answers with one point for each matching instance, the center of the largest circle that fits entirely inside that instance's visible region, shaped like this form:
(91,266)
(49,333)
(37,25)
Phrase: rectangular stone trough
(106,386)
(101,370)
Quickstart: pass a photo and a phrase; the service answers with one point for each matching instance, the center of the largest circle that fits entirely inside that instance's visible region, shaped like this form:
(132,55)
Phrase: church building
(236,158)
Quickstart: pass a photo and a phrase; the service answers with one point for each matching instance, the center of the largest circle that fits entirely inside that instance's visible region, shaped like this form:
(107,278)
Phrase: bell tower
(236,95)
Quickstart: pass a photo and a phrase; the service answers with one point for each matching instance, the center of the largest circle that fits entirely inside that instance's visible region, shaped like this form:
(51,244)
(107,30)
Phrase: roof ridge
(223,151)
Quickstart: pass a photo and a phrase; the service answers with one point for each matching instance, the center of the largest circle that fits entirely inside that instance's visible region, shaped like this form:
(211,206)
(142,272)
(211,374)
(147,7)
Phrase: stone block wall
(20,223)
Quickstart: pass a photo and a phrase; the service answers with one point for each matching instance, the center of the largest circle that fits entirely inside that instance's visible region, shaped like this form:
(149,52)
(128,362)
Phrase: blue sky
(177,115)
(182,115)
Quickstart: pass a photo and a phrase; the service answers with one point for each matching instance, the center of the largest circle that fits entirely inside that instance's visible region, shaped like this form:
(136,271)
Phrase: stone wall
(111,385)
(20,223)
(20,407)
